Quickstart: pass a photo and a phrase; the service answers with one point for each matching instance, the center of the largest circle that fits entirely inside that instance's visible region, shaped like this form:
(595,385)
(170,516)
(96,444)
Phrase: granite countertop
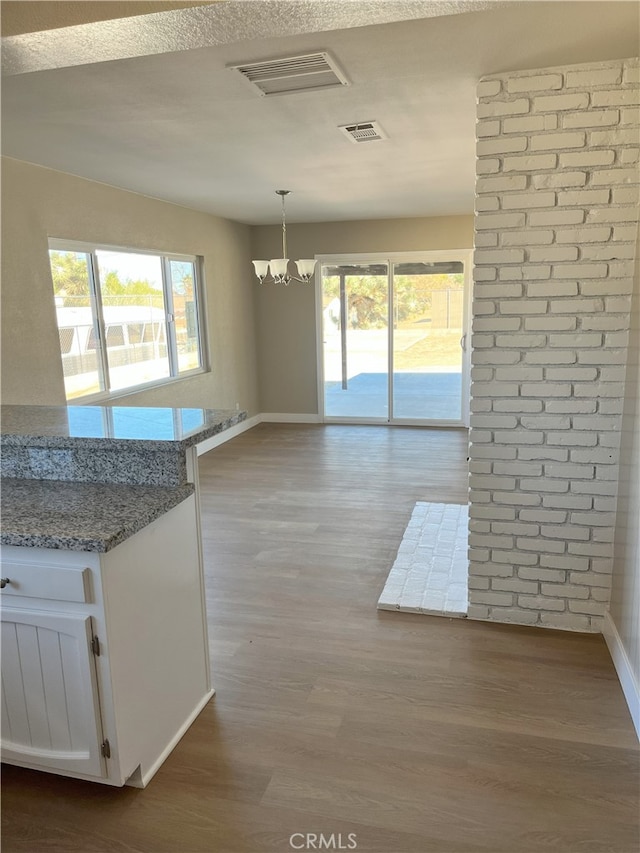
(115,427)
(80,516)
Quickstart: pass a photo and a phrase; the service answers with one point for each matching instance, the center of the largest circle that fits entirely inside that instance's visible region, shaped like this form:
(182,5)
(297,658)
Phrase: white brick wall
(557,196)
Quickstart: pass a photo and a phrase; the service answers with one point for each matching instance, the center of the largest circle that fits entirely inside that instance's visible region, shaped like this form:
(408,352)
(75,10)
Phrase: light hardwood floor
(418,734)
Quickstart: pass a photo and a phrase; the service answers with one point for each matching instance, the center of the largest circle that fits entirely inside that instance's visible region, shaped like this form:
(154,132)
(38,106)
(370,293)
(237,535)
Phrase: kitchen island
(105,653)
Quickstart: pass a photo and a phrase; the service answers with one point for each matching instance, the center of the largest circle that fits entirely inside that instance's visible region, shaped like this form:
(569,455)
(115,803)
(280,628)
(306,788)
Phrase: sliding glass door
(392,334)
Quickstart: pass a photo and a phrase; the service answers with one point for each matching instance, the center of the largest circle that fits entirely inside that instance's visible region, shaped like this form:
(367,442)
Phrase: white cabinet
(50,708)
(104,656)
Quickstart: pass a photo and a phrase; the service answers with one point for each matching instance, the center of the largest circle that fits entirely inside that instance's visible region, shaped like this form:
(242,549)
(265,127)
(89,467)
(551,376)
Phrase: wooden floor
(415,733)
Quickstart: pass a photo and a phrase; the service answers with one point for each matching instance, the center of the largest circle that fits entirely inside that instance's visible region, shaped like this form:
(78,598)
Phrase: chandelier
(279,266)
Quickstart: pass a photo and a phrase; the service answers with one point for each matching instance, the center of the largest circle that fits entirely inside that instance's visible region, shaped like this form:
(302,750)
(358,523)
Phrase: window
(125,318)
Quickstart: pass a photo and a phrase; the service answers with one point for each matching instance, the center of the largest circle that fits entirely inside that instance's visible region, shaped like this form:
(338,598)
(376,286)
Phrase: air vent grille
(363,131)
(305,73)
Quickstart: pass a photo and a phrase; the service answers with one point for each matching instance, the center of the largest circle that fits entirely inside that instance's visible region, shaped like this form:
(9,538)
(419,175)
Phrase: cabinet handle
(4,582)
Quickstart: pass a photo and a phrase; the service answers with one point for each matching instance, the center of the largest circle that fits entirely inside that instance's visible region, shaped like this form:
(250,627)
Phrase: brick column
(557,203)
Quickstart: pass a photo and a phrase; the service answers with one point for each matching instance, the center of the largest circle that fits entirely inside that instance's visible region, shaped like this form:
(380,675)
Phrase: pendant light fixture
(279,266)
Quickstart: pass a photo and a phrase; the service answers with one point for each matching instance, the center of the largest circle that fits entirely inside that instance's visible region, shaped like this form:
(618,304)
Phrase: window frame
(59,244)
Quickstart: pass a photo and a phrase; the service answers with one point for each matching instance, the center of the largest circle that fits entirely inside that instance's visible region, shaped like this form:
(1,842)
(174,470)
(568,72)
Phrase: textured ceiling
(148,105)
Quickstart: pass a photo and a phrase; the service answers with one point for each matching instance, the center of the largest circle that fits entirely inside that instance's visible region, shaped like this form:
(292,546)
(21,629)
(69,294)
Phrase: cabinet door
(50,711)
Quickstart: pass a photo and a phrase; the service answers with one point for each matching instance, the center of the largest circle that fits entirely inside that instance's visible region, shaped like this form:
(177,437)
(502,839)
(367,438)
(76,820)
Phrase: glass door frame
(465,256)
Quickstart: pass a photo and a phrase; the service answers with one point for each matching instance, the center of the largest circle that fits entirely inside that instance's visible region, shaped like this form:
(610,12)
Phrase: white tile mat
(430,572)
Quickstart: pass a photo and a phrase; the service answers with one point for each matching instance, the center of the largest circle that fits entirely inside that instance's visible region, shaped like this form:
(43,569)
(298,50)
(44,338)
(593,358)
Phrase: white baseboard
(623,667)
(289,418)
(227,434)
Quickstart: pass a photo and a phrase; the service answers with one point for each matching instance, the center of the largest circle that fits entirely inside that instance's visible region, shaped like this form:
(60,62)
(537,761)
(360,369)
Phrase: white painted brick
(630,116)
(615,136)
(583,235)
(515,585)
(570,471)
(559,453)
(546,422)
(535,199)
(496,324)
(602,422)
(511,615)
(526,238)
(497,389)
(595,454)
(545,389)
(615,97)
(580,271)
(585,439)
(565,590)
(491,569)
(567,563)
(593,488)
(517,405)
(583,197)
(567,501)
(610,407)
(524,306)
(627,156)
(497,291)
(565,621)
(510,273)
(487,167)
(618,304)
(546,357)
(536,272)
(501,145)
(487,203)
(498,256)
(594,608)
(599,594)
(488,128)
(612,374)
(535,573)
(499,220)
(556,217)
(543,516)
(504,357)
(527,124)
(559,180)
(544,484)
(517,469)
(489,88)
(576,306)
(529,163)
(534,83)
(478,555)
(631,72)
(493,422)
(555,141)
(523,341)
(625,232)
(516,558)
(477,583)
(476,611)
(605,323)
(575,159)
(494,513)
(594,118)
(593,77)
(574,374)
(554,253)
(503,108)
(609,177)
(625,195)
(570,406)
(498,598)
(500,184)
(480,405)
(483,307)
(537,602)
(590,579)
(549,324)
(486,239)
(519,373)
(554,103)
(553,288)
(487,274)
(609,252)
(583,339)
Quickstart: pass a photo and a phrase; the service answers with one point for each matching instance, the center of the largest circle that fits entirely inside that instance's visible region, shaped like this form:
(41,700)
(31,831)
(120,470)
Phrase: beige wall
(39,203)
(286,315)
(625,589)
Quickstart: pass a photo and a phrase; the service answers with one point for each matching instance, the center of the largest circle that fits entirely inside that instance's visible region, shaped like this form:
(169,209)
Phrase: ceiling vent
(364,131)
(308,72)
